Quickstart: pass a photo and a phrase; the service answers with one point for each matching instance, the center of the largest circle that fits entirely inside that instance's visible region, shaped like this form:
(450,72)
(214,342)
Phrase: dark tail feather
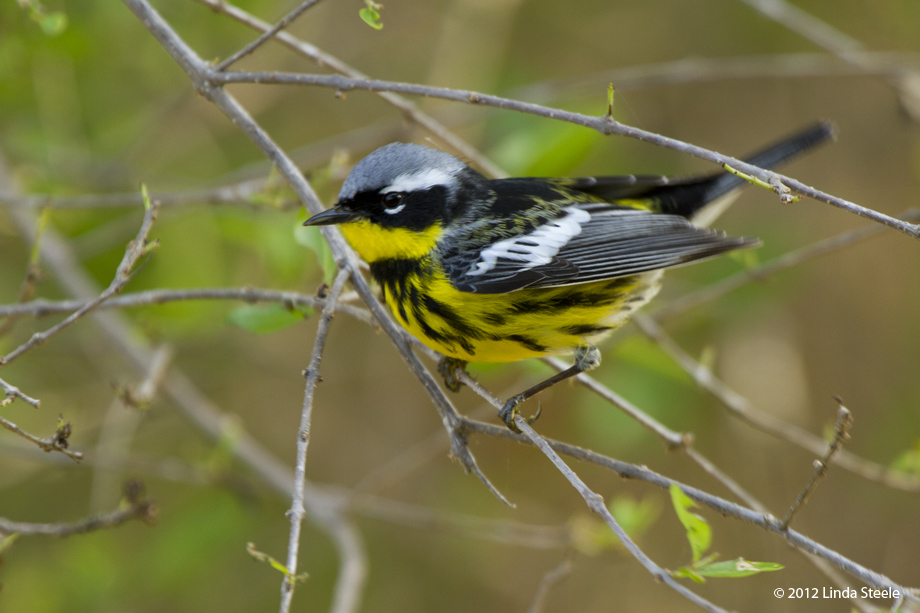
(686,198)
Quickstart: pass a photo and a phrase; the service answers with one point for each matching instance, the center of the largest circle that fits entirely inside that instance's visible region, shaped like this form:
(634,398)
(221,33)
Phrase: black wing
(587,242)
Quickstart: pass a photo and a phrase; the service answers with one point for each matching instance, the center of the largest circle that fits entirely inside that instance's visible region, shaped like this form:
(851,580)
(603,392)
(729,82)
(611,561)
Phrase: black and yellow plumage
(507,269)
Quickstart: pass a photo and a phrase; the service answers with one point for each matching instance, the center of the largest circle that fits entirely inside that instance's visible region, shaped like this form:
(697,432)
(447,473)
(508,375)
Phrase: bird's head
(401,186)
(397,200)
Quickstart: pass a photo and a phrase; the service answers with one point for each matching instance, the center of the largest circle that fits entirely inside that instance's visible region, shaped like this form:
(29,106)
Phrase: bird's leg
(449,368)
(586,358)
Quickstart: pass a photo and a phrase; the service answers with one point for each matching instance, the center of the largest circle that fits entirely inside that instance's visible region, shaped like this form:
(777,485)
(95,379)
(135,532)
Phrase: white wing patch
(419,181)
(534,249)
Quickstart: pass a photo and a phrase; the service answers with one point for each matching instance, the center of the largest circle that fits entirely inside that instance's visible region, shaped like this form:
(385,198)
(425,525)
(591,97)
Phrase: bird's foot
(510,410)
(450,369)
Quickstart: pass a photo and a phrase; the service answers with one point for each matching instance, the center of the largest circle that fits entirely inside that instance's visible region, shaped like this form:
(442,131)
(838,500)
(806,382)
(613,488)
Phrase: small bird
(500,270)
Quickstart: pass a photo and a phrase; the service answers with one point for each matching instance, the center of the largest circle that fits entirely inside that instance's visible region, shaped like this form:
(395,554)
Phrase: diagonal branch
(603,124)
(199,73)
(719,505)
(596,503)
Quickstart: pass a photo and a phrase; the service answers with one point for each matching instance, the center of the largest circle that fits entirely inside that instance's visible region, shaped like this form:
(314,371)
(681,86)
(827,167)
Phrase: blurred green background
(98,107)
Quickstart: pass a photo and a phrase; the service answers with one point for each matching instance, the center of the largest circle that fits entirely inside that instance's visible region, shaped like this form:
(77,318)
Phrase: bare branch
(135,506)
(602,124)
(55,442)
(297,511)
(41,308)
(719,505)
(11,392)
(841,434)
(596,503)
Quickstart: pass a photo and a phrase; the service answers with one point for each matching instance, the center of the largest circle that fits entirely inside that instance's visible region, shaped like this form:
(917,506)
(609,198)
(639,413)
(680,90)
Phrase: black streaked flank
(527,342)
(584,329)
(450,317)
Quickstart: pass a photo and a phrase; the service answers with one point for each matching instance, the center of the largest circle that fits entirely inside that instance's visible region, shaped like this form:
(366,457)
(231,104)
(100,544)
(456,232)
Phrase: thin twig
(136,506)
(123,274)
(12,392)
(742,408)
(297,511)
(258,42)
(41,308)
(55,442)
(841,434)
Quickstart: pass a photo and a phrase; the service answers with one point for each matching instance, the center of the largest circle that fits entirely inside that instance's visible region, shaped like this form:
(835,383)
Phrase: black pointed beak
(336,214)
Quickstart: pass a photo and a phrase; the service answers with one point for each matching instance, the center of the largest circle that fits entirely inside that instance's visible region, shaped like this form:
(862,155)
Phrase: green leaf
(264,318)
(371,14)
(735,568)
(698,531)
(264,557)
(53,24)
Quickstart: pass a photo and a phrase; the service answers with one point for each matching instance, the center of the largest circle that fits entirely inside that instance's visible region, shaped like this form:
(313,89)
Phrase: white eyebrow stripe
(534,249)
(419,181)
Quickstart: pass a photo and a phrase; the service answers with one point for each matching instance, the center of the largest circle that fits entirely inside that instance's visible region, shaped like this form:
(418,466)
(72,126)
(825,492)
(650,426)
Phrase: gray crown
(382,167)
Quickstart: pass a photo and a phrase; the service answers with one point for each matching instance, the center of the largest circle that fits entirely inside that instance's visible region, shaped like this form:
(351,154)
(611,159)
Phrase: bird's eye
(393,202)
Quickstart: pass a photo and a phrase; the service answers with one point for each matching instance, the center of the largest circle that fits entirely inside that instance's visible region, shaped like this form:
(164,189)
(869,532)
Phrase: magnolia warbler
(499,270)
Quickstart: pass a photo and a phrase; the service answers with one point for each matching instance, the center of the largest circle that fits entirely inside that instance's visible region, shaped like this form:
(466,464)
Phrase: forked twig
(285,21)
(125,271)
